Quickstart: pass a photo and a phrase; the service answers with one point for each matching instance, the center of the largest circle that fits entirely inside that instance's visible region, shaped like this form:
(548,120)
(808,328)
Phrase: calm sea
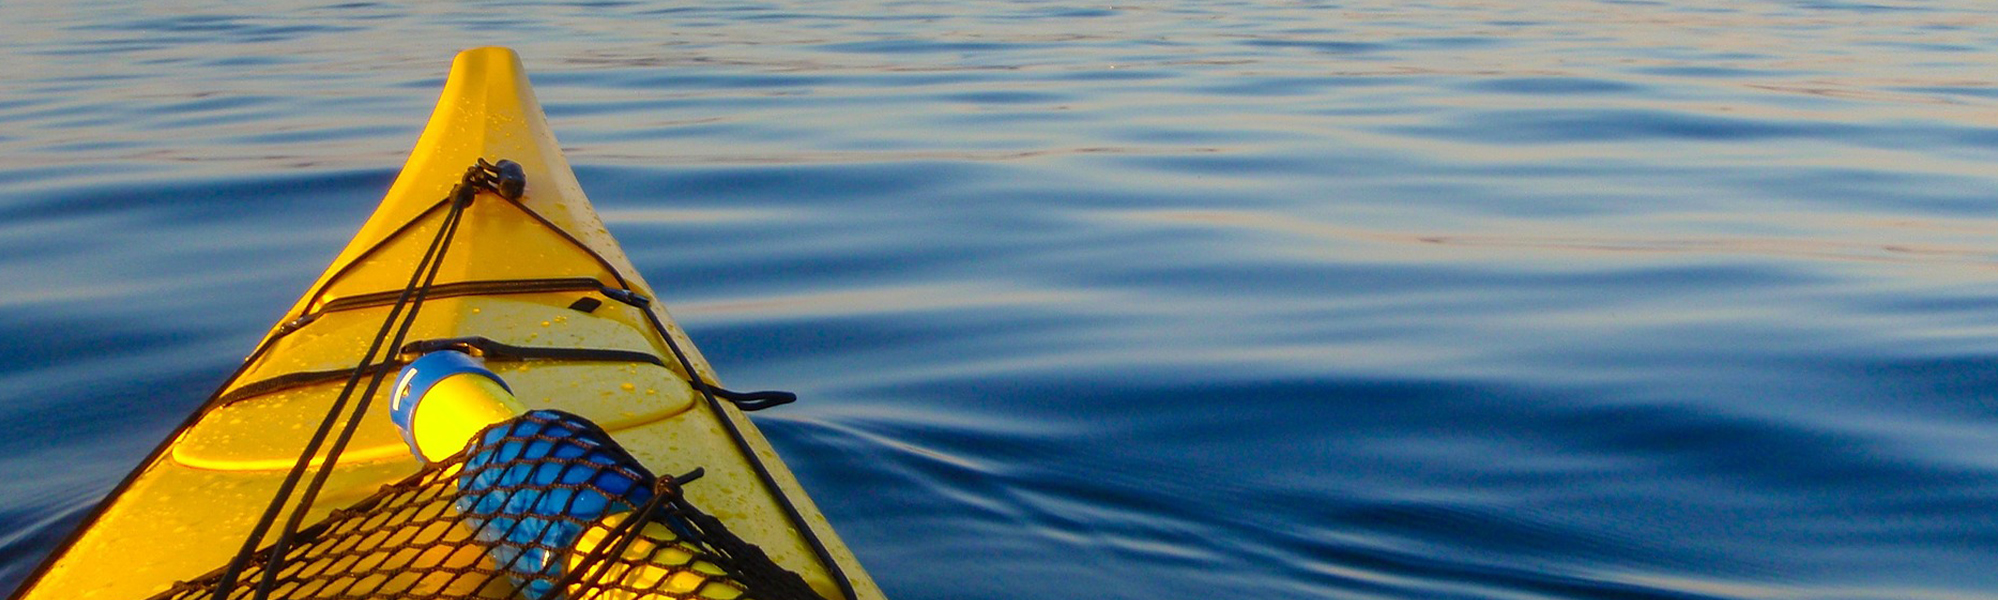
(1456,299)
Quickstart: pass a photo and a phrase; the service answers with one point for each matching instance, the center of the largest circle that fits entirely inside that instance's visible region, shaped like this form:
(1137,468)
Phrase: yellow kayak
(534,282)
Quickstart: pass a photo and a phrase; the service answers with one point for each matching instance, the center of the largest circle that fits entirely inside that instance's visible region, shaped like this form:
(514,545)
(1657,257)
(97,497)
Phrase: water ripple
(1581,299)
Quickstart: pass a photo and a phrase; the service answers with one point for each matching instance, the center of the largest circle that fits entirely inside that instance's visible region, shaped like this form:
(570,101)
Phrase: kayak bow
(536,284)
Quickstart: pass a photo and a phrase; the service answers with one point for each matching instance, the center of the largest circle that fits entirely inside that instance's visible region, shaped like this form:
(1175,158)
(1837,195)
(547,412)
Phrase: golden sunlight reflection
(1869,240)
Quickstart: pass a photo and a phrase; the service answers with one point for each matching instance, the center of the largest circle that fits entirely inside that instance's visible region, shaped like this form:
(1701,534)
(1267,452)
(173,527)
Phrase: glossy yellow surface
(186,512)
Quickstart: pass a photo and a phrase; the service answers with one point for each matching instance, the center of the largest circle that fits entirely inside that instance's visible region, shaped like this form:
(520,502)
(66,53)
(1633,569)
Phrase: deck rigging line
(505,180)
(501,179)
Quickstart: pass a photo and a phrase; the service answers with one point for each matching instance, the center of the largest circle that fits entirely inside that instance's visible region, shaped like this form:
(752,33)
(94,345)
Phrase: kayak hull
(537,272)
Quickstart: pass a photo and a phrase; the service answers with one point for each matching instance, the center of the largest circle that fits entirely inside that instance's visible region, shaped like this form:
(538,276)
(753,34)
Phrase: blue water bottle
(542,489)
(532,483)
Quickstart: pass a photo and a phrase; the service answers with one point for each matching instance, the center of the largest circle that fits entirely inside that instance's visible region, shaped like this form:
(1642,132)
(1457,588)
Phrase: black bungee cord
(504,178)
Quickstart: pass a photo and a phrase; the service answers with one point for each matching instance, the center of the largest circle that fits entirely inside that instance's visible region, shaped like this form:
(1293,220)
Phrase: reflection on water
(1466,299)
(1559,242)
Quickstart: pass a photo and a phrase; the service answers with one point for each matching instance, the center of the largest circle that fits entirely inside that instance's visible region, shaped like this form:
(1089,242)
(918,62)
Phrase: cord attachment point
(505,178)
(627,296)
(510,180)
(746,401)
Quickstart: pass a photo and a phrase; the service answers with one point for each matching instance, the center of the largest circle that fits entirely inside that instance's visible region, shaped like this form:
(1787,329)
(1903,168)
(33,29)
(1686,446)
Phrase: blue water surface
(1461,299)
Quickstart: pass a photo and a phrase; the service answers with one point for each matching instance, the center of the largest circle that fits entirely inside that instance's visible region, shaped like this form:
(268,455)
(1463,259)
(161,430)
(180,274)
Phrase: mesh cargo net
(542,506)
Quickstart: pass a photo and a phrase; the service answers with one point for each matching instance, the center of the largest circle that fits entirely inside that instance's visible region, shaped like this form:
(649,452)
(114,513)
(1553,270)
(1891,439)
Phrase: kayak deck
(540,275)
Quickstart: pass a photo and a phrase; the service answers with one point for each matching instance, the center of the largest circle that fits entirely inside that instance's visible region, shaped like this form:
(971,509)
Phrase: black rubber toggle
(511,181)
(585,304)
